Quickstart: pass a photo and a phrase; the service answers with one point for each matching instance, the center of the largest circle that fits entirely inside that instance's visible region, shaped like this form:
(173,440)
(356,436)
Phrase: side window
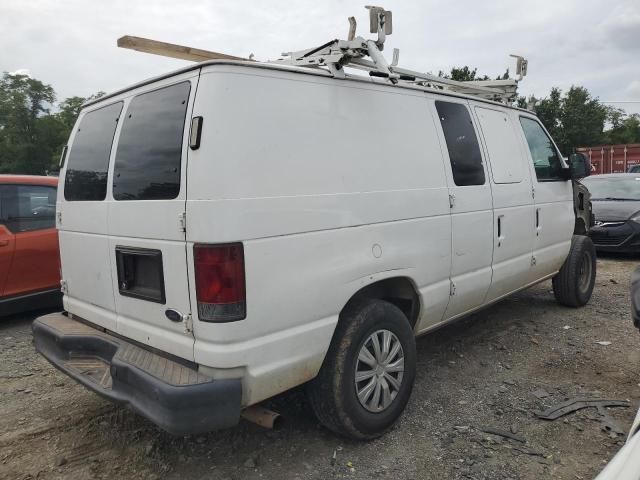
(88,162)
(24,208)
(147,165)
(462,143)
(546,160)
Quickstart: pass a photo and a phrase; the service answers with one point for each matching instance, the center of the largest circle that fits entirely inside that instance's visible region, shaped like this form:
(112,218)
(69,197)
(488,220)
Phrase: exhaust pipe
(262,416)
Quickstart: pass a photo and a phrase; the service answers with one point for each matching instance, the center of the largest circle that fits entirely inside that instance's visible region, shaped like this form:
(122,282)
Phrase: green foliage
(576,119)
(25,134)
(31,137)
(463,74)
(625,128)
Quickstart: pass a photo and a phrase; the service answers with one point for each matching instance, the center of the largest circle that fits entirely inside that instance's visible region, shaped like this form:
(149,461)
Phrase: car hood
(612,210)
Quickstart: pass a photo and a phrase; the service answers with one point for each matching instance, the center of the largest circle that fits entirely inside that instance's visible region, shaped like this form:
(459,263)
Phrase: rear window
(147,165)
(88,163)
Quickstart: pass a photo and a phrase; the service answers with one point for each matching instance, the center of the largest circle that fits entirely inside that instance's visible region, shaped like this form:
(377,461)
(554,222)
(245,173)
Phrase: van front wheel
(573,285)
(367,376)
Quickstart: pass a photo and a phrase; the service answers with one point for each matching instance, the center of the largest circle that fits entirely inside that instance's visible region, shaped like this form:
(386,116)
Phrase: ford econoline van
(235,229)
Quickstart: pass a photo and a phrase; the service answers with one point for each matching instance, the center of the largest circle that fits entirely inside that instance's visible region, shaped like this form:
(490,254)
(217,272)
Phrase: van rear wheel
(366,379)
(573,285)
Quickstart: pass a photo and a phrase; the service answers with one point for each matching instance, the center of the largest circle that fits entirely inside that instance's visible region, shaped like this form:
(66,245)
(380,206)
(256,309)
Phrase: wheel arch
(400,291)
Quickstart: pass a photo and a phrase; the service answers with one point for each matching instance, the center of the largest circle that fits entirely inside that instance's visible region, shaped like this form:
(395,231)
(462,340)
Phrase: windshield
(613,188)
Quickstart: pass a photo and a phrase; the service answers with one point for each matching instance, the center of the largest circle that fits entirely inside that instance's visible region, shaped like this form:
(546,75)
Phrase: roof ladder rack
(337,54)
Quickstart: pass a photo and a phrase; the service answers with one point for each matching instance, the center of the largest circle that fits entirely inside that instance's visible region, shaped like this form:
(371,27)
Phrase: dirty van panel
(146,226)
(82,217)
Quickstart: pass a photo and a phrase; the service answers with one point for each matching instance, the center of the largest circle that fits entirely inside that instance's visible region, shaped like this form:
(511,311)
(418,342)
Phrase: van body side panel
(293,168)
(512,202)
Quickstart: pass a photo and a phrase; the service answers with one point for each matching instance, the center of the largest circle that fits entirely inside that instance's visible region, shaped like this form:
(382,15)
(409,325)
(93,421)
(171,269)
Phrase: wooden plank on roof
(165,49)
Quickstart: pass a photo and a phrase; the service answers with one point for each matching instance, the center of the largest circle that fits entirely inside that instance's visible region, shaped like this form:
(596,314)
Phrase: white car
(234,229)
(626,464)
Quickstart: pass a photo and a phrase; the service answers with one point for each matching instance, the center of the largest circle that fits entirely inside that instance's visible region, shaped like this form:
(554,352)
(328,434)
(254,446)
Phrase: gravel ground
(477,374)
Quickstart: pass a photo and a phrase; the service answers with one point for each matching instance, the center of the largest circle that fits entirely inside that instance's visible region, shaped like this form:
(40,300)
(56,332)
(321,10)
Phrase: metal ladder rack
(337,54)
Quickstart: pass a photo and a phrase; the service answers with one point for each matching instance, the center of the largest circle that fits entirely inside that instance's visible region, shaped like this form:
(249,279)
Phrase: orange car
(29,255)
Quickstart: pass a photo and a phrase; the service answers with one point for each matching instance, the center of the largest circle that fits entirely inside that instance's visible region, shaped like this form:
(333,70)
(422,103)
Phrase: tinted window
(546,160)
(24,208)
(147,165)
(462,143)
(88,162)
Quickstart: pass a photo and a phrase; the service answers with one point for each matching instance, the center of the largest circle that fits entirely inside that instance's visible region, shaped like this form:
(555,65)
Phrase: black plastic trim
(31,301)
(177,409)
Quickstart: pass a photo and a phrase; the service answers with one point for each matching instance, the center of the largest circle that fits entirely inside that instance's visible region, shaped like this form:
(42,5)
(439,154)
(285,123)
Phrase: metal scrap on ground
(575,404)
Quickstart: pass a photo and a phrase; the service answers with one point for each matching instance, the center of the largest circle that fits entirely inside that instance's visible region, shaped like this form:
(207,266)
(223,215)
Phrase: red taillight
(220,289)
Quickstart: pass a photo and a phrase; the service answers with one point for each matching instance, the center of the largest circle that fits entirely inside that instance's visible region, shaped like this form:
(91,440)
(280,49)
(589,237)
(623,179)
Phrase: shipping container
(612,158)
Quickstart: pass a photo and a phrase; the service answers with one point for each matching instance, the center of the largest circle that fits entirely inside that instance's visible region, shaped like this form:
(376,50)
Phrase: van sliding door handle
(500,235)
(538,225)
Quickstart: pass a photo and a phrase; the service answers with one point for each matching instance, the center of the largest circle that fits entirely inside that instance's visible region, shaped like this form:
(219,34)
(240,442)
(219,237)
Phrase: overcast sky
(71,44)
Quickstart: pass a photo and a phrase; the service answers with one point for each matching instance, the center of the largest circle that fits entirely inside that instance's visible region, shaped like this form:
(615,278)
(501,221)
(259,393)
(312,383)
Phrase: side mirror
(579,166)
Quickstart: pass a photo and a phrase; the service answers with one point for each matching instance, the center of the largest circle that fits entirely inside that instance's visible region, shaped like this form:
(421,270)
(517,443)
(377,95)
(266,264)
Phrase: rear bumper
(168,391)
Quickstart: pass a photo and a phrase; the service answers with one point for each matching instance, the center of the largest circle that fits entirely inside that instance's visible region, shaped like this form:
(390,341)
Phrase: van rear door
(147,248)
(82,216)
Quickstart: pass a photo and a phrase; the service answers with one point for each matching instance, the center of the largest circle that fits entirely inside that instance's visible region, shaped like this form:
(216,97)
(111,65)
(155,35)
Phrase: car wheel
(367,376)
(573,285)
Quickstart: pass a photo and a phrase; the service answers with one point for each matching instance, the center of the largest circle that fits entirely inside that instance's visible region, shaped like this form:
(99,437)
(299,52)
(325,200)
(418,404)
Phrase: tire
(573,285)
(333,393)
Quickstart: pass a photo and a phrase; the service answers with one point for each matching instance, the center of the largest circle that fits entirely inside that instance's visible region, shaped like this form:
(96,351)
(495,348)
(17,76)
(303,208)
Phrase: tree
(25,135)
(549,111)
(463,74)
(31,137)
(624,128)
(583,120)
(70,108)
(574,120)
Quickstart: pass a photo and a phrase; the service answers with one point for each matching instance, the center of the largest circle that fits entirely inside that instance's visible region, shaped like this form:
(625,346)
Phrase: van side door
(513,210)
(471,206)
(553,195)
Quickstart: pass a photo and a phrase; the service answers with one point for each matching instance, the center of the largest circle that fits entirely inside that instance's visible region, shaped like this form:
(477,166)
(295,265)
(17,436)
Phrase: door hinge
(533,260)
(63,287)
(533,191)
(452,288)
(452,200)
(59,218)
(182,221)
(188,323)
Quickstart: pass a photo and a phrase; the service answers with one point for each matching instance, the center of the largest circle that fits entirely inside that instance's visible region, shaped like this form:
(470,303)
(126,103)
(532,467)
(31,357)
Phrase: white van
(234,229)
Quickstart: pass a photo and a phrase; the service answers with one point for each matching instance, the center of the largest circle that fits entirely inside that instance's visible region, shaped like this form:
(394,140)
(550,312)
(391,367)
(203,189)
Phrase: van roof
(302,70)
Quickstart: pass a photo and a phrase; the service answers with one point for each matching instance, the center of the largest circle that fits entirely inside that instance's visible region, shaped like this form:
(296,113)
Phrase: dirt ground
(477,374)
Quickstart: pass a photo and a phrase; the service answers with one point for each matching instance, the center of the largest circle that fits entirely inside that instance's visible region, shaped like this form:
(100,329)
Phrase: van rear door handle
(196,133)
(4,243)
